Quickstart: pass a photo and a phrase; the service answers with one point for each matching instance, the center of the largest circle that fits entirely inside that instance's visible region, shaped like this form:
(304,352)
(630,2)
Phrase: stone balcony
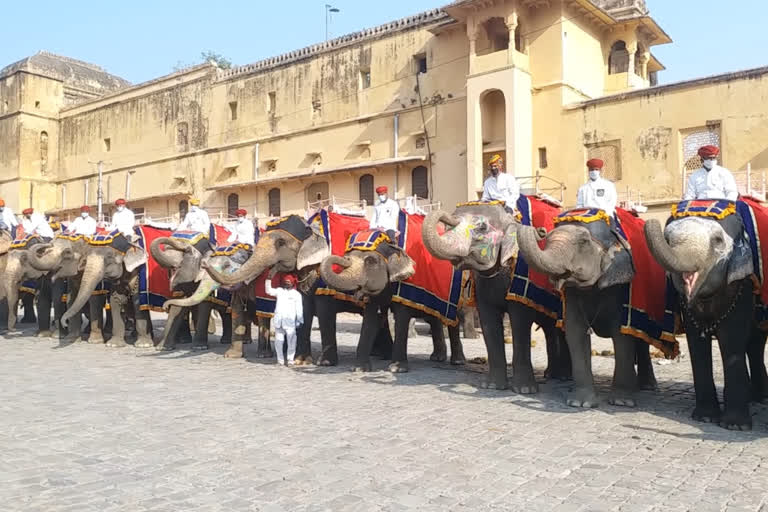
(490,62)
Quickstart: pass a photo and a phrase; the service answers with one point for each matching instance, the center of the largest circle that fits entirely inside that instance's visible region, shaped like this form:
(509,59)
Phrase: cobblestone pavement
(84,427)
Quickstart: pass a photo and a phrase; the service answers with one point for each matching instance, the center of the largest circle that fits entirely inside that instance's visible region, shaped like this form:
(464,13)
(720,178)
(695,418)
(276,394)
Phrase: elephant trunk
(92,276)
(168,259)
(263,257)
(433,240)
(44,257)
(546,261)
(663,252)
(204,289)
(350,278)
(11,281)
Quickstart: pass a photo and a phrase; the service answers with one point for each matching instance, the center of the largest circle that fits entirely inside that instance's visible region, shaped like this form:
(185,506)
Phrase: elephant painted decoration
(713,268)
(381,270)
(590,258)
(481,236)
(138,283)
(5,245)
(64,260)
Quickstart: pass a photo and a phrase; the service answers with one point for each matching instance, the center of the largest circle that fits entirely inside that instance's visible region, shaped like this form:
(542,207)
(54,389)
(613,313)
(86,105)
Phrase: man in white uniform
(196,219)
(84,224)
(597,192)
(35,223)
(123,219)
(711,181)
(500,186)
(7,218)
(386,213)
(244,230)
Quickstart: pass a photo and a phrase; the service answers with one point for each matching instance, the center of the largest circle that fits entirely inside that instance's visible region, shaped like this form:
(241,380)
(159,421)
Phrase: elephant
(487,252)
(5,245)
(18,270)
(711,269)
(290,244)
(184,259)
(370,273)
(594,267)
(63,259)
(115,259)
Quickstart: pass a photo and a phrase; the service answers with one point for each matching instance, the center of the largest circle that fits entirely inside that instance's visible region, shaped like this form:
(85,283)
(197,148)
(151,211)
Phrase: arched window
(233,203)
(43,152)
(319,191)
(366,188)
(419,184)
(618,60)
(274,202)
(183,208)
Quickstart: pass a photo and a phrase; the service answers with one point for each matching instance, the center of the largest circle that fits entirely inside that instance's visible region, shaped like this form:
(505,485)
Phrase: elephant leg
(467,320)
(700,348)
(118,302)
(733,351)
(28,302)
(326,317)
(439,348)
(384,344)
(580,347)
(646,377)
(3,315)
(96,308)
(239,328)
(58,289)
(368,333)
(201,315)
(558,356)
(106,321)
(624,375)
(264,349)
(521,321)
(757,374)
(182,333)
(303,333)
(457,347)
(403,317)
(168,340)
(44,298)
(491,322)
(143,326)
(226,325)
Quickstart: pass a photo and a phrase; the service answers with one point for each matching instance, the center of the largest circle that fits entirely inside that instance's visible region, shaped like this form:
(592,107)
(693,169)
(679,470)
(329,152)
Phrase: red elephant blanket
(154,281)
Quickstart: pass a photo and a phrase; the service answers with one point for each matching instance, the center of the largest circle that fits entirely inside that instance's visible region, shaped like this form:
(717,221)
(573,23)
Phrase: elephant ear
(617,267)
(509,247)
(313,251)
(134,258)
(740,265)
(400,266)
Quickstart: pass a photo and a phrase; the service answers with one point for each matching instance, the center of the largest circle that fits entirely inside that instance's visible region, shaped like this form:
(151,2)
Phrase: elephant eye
(280,242)
(370,260)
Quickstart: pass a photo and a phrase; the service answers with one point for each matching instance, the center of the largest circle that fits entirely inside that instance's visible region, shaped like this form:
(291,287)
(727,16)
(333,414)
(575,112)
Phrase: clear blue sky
(143,39)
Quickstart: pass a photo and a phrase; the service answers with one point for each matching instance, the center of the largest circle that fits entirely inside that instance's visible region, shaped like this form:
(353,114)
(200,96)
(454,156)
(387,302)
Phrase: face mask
(708,164)
(120,208)
(383,198)
(193,208)
(593,175)
(241,219)
(2,209)
(84,215)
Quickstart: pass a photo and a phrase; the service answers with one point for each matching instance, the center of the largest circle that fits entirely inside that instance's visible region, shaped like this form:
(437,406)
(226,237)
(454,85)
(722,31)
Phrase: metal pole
(99,191)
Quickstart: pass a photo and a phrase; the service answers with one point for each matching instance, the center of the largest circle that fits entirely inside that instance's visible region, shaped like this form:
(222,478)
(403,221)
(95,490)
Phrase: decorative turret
(623,9)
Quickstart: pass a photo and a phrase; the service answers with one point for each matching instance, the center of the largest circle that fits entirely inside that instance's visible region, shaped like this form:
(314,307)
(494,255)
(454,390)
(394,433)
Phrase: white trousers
(283,334)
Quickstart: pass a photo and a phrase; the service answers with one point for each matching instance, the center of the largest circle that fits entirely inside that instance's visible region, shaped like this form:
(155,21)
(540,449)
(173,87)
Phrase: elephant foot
(458,360)
(184,340)
(707,414)
(44,334)
(584,398)
(303,361)
(760,393)
(96,340)
(225,341)
(165,347)
(736,421)
(560,374)
(116,343)
(399,367)
(144,342)
(647,383)
(265,353)
(526,386)
(438,357)
(494,384)
(622,400)
(362,368)
(235,351)
(199,346)
(326,362)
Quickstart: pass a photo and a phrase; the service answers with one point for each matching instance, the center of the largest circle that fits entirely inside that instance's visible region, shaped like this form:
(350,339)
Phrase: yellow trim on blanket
(275,222)
(429,311)
(600,215)
(259,314)
(24,289)
(380,238)
(191,241)
(528,302)
(100,292)
(728,210)
(217,301)
(233,249)
(70,237)
(482,203)
(655,342)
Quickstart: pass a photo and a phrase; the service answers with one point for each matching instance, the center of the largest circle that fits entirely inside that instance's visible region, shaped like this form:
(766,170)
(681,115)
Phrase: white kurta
(385,215)
(715,184)
(502,188)
(37,225)
(242,233)
(197,221)
(289,311)
(123,221)
(8,218)
(600,193)
(83,226)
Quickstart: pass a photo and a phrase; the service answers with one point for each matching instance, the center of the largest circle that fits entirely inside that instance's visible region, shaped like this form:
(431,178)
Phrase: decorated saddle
(154,280)
(200,241)
(24,241)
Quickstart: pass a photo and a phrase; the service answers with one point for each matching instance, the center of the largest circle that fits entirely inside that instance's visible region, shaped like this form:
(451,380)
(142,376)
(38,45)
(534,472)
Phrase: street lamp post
(329,9)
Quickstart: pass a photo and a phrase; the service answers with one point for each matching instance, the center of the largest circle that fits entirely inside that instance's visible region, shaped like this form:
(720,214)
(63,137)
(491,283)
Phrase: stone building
(418,104)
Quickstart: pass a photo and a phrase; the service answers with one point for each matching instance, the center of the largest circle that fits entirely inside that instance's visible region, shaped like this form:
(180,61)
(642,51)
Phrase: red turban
(241,212)
(595,163)
(381,190)
(708,151)
(289,278)
(120,202)
(27,211)
(85,208)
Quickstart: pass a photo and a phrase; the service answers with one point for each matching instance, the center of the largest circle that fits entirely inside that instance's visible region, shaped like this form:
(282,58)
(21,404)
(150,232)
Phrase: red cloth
(260,286)
(595,163)
(709,151)
(650,281)
(158,280)
(342,227)
(543,215)
(222,235)
(760,217)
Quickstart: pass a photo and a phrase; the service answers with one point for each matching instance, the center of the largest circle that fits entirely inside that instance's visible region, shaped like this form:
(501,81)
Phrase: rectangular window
(420,63)
(233,110)
(365,78)
(272,103)
(107,145)
(610,153)
(542,158)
